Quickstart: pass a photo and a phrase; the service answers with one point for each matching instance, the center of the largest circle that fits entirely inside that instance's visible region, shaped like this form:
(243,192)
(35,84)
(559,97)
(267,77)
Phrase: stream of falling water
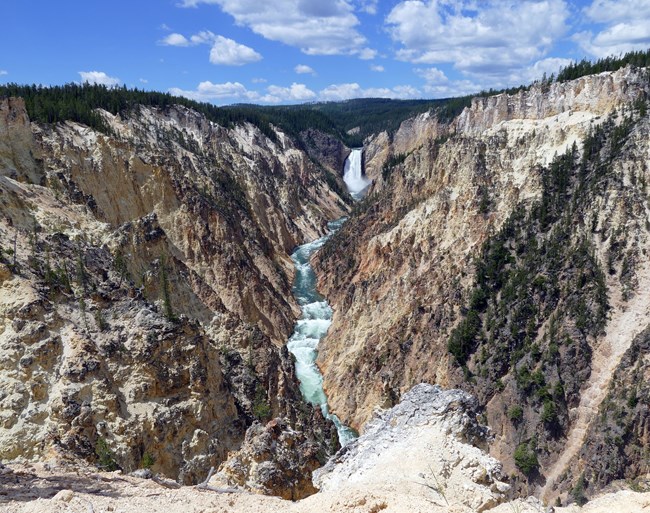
(316,312)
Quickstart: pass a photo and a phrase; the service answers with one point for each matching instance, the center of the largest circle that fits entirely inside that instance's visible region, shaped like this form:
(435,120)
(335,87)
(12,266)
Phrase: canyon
(152,313)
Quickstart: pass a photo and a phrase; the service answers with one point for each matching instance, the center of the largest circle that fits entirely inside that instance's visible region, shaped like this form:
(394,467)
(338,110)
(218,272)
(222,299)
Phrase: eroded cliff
(504,253)
(145,286)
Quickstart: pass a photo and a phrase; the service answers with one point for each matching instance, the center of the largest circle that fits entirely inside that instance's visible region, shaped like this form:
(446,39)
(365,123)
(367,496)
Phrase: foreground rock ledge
(424,455)
(429,445)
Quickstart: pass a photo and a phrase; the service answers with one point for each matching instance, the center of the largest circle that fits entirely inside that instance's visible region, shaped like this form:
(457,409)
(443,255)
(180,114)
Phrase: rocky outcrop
(431,439)
(19,154)
(275,460)
(145,287)
(325,149)
(457,197)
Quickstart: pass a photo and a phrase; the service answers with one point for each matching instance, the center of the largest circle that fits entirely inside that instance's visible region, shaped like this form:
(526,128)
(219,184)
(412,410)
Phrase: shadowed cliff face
(144,305)
(401,274)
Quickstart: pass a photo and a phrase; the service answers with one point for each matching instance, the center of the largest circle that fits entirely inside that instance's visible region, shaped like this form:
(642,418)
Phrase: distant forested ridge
(75,102)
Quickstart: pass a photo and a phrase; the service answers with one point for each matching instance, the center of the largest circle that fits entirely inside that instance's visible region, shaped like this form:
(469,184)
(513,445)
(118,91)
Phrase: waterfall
(353,176)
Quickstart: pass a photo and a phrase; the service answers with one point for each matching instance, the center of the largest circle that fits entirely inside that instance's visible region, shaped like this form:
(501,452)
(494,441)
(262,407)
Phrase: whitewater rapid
(316,312)
(310,328)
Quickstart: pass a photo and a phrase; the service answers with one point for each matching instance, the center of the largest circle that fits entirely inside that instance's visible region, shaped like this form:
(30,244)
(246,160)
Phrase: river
(316,312)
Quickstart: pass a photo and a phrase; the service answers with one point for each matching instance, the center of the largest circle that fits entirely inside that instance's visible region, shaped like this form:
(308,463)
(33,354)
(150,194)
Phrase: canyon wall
(504,253)
(145,286)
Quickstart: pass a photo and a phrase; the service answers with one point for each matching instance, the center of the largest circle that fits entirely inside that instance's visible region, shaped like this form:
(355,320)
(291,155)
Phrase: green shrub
(549,412)
(147,460)
(261,407)
(526,459)
(515,413)
(105,459)
(463,339)
(578,492)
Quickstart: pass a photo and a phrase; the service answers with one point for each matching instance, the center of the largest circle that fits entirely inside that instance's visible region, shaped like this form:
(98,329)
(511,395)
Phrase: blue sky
(292,51)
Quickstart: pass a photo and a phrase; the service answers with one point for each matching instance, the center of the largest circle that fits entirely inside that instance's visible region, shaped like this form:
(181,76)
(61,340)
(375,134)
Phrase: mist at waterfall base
(316,313)
(353,176)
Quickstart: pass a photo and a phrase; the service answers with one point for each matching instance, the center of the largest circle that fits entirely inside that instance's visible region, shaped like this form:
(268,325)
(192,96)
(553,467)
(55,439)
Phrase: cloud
(99,77)
(432,75)
(143,81)
(438,85)
(625,26)
(314,26)
(368,6)
(537,70)
(234,92)
(3,72)
(259,81)
(207,91)
(367,54)
(297,92)
(338,92)
(231,92)
(608,11)
(376,67)
(224,51)
(175,40)
(303,69)
(230,53)
(489,39)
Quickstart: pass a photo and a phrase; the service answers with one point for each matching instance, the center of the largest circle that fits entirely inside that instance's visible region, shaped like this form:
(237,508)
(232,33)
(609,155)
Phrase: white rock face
(425,444)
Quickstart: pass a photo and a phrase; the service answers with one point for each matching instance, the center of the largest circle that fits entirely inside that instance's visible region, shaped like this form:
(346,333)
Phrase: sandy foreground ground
(38,489)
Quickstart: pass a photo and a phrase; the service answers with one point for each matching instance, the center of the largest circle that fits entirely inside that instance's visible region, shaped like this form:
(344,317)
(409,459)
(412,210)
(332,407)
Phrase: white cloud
(297,92)
(438,85)
(224,51)
(376,67)
(609,11)
(230,53)
(99,77)
(3,72)
(175,40)
(432,75)
(303,69)
(231,92)
(143,81)
(452,89)
(626,26)
(489,39)
(259,81)
(549,66)
(207,91)
(367,54)
(368,6)
(314,26)
(338,92)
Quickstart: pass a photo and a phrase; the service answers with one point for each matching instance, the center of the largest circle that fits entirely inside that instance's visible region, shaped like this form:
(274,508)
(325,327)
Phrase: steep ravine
(316,313)
(551,180)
